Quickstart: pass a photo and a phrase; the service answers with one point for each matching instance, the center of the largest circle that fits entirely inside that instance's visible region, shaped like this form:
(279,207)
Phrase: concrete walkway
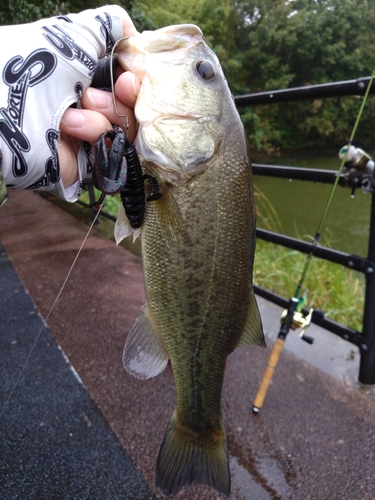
(77,426)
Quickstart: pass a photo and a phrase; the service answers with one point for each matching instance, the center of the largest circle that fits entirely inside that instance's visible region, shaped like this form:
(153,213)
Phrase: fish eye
(205,70)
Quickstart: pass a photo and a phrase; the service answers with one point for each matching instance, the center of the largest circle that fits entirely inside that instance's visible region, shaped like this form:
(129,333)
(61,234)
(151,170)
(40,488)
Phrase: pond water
(299,204)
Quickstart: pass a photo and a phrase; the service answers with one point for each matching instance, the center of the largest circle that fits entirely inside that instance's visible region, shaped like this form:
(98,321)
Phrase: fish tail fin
(184,458)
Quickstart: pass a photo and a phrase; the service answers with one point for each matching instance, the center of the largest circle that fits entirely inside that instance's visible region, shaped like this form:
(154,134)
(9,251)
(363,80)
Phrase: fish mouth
(175,171)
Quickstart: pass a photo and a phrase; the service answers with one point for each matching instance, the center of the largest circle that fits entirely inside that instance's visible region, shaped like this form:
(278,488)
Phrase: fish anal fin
(253,331)
(144,355)
(185,459)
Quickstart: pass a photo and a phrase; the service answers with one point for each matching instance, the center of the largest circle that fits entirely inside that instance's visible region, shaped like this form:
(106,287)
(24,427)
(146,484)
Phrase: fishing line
(114,100)
(295,302)
(98,206)
(330,198)
(51,309)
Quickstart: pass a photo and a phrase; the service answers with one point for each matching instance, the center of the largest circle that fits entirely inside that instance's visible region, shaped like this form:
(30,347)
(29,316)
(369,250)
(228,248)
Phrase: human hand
(42,80)
(96,117)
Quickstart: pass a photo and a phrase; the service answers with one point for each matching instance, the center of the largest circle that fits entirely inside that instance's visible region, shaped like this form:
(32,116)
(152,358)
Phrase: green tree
(303,42)
(266,45)
(210,16)
(24,11)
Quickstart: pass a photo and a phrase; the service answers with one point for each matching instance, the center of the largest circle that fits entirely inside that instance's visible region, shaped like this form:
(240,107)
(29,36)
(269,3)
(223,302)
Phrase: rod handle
(268,374)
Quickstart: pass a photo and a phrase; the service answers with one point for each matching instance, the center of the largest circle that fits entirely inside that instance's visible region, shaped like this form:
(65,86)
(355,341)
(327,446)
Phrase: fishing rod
(356,160)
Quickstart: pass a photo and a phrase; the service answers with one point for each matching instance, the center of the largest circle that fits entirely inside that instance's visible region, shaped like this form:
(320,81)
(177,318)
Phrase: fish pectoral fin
(170,216)
(144,355)
(123,227)
(253,331)
(185,458)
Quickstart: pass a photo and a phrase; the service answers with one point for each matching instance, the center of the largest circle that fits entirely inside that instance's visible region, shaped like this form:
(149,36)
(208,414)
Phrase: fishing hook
(112,57)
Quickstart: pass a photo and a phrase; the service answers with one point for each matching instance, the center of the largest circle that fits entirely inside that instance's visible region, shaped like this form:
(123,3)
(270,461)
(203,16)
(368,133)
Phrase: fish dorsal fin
(253,331)
(144,355)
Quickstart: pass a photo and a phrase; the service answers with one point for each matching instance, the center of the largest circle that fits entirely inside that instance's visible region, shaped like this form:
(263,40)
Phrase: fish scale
(198,243)
(211,319)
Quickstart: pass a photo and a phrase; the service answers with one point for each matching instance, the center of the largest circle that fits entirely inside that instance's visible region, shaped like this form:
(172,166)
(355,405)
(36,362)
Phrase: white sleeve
(40,80)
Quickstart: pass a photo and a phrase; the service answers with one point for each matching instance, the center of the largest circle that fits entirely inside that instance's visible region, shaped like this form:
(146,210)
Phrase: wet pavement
(77,426)
(51,428)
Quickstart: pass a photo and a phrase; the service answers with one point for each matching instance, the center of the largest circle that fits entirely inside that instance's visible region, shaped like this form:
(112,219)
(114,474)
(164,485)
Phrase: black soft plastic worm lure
(118,170)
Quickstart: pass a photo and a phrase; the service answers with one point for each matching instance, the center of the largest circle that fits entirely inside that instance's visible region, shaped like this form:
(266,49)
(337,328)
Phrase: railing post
(367,363)
(334,89)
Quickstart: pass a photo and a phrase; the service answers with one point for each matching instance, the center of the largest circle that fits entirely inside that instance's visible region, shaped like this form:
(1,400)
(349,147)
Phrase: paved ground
(77,426)
(59,432)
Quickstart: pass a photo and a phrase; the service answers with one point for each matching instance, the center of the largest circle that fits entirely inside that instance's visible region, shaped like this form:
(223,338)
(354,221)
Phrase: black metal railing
(365,340)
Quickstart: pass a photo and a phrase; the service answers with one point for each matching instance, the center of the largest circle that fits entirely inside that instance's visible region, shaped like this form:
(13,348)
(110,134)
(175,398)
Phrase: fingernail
(73,118)
(99,98)
(135,83)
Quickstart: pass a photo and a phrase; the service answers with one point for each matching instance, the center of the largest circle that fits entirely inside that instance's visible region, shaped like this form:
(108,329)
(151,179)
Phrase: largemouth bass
(198,245)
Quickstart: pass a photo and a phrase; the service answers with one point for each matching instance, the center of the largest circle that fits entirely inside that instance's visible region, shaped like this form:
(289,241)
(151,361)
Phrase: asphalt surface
(77,426)
(52,429)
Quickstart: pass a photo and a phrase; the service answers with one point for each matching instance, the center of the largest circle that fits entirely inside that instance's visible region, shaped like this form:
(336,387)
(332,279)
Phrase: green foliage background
(266,45)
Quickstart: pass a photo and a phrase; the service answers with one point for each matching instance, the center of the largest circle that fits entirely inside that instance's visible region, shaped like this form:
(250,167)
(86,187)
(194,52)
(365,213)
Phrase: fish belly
(198,287)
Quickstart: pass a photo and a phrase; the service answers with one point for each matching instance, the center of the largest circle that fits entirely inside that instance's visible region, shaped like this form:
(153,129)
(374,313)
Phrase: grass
(336,290)
(332,288)
(111,205)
